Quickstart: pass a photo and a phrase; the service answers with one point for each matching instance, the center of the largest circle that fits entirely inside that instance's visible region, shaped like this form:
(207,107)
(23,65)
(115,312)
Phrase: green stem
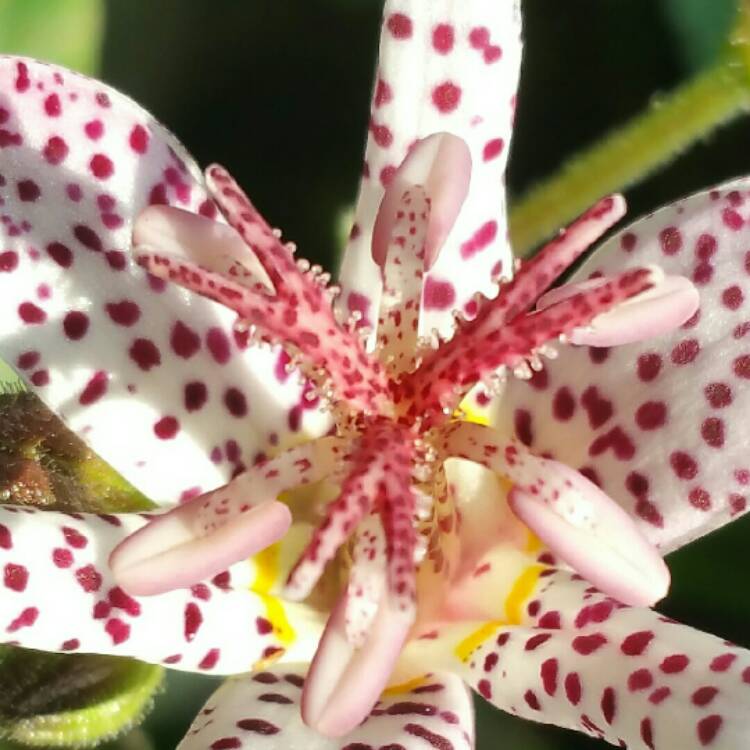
(668,126)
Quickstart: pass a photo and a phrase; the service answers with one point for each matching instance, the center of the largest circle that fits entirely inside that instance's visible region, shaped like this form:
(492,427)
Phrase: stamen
(579,522)
(380,479)
(441,165)
(208,534)
(345,682)
(403,272)
(535,276)
(655,312)
(298,316)
(485,344)
(367,580)
(210,244)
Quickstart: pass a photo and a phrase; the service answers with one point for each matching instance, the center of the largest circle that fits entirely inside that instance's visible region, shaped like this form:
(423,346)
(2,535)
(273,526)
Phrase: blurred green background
(278,91)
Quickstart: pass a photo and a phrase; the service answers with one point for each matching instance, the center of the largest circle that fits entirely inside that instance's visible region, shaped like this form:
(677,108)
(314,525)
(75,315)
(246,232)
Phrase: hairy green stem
(669,125)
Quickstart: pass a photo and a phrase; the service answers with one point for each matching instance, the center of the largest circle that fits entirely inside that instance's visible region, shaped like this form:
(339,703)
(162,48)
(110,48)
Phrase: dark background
(278,91)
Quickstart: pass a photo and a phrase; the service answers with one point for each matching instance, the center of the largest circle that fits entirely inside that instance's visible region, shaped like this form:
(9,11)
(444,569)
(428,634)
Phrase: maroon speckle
(685,352)
(15,577)
(166,428)
(671,240)
(708,727)
(718,395)
(118,630)
(87,237)
(139,139)
(636,643)
(196,395)
(443,38)
(95,388)
(400,25)
(28,191)
(8,261)
(52,105)
(55,151)
(218,345)
(101,166)
(492,149)
(145,354)
(573,689)
(446,97)
(26,619)
(210,660)
(184,340)
(94,129)
(522,424)
(89,578)
(61,254)
(258,726)
(438,295)
(651,415)
(193,620)
(31,313)
(235,401)
(563,404)
(741,367)
(483,237)
(123,313)
(587,644)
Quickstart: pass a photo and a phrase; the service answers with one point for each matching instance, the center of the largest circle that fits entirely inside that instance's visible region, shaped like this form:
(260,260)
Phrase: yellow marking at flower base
(533,543)
(267,571)
(521,591)
(406,687)
(469,413)
(468,645)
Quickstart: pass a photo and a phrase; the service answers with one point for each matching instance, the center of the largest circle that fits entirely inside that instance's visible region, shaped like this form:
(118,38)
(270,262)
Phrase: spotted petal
(660,425)
(625,675)
(262,712)
(58,594)
(446,66)
(148,375)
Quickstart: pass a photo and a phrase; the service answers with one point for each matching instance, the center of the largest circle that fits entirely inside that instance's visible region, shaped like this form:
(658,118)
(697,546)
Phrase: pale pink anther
(211,244)
(344,682)
(211,532)
(658,311)
(578,522)
(441,164)
(171,552)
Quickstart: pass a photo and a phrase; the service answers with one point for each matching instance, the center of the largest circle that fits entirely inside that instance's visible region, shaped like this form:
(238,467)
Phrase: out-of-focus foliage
(71,701)
(68,32)
(6,374)
(700,28)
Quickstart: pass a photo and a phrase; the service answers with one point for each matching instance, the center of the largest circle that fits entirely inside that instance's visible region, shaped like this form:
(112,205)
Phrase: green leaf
(68,32)
(7,375)
(701,28)
(71,700)
(43,463)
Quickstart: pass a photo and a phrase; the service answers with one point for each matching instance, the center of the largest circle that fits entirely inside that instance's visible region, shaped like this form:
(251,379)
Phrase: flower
(487,604)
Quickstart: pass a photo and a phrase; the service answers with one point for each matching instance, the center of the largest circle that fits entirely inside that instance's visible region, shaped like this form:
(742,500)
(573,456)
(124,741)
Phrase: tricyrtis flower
(412,547)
